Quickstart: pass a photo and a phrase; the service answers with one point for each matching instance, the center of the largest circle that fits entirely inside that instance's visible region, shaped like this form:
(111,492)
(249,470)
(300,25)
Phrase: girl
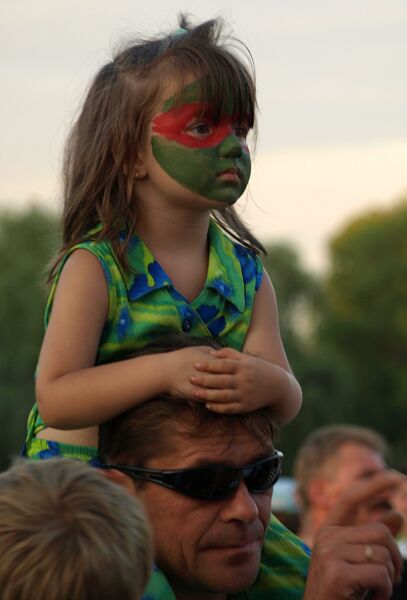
(152,245)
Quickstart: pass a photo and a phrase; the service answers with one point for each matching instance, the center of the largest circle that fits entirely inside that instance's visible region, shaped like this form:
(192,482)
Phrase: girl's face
(207,157)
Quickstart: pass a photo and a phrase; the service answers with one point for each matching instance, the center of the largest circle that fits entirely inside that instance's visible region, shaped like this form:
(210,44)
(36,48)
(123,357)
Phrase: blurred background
(328,194)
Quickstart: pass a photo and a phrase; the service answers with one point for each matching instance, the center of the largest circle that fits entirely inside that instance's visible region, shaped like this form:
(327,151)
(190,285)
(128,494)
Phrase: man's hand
(351,561)
(367,500)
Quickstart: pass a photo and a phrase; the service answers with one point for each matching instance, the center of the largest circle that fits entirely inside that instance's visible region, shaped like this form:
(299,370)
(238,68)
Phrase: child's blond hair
(67,533)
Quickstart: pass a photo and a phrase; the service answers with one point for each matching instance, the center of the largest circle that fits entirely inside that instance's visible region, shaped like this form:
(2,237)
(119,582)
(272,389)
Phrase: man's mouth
(236,543)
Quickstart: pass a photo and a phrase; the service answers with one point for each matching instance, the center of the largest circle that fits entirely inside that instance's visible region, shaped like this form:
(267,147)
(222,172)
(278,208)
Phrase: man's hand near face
(351,561)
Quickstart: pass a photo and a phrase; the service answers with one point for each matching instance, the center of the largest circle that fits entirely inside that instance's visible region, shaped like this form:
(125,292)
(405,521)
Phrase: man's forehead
(235,446)
(354,458)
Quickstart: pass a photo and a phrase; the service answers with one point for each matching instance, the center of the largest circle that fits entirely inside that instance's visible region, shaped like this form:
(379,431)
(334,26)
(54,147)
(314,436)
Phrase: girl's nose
(230,147)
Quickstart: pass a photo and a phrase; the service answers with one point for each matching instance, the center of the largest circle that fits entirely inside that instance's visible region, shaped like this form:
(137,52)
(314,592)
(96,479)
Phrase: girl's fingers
(220,382)
(227,353)
(226,409)
(217,366)
(215,396)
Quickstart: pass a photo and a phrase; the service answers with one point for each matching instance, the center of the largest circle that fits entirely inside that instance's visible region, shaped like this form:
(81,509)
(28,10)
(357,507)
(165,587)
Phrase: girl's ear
(139,170)
(120,478)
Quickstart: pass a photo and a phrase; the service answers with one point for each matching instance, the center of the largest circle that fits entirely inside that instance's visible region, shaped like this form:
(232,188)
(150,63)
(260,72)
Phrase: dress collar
(224,270)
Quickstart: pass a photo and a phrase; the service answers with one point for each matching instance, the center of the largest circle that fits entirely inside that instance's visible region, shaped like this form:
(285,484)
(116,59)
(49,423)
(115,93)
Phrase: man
(66,533)
(331,461)
(206,481)
(399,503)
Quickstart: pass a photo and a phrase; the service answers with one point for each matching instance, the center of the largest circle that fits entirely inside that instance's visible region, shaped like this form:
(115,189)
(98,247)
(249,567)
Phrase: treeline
(345,332)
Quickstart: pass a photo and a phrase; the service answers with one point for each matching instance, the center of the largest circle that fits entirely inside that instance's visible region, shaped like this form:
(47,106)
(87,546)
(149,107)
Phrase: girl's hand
(232,382)
(179,368)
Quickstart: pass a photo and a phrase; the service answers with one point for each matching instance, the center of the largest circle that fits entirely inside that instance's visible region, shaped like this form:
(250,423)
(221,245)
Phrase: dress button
(186,325)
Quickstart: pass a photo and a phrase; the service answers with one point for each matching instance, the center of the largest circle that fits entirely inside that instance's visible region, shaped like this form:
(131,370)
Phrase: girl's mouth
(231,175)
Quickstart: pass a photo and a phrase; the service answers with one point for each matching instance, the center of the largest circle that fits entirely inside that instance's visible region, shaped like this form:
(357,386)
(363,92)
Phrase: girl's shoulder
(102,250)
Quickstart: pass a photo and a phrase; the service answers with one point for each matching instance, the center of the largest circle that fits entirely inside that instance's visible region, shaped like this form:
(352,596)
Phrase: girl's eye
(241,131)
(202,129)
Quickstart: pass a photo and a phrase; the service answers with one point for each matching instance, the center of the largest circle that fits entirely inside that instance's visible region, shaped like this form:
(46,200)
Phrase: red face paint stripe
(172,125)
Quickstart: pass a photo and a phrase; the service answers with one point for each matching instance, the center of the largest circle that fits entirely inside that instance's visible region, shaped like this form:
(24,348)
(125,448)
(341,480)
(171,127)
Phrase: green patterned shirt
(145,306)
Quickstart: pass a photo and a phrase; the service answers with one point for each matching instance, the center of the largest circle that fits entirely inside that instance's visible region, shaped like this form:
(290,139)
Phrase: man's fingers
(367,535)
(394,521)
(375,554)
(371,577)
(376,487)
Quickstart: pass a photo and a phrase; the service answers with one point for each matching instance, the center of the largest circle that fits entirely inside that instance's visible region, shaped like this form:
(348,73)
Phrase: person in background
(330,462)
(399,502)
(67,533)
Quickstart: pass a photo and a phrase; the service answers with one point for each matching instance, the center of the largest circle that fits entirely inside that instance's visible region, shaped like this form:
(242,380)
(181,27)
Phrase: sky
(332,88)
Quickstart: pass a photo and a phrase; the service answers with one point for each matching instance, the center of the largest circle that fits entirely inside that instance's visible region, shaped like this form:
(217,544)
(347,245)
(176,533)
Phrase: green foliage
(298,294)
(326,382)
(345,334)
(27,241)
(365,317)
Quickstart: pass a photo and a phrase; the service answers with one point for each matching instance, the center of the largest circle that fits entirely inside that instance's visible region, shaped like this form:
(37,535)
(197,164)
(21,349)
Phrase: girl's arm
(259,376)
(73,393)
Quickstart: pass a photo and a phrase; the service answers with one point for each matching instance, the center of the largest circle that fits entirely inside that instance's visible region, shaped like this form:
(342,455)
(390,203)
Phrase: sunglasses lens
(207,484)
(217,483)
(263,476)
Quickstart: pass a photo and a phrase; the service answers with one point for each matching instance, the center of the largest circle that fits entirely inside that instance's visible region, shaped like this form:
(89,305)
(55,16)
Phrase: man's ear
(120,478)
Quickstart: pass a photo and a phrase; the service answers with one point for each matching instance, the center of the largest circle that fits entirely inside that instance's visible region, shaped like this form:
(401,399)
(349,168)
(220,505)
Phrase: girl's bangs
(231,92)
(225,84)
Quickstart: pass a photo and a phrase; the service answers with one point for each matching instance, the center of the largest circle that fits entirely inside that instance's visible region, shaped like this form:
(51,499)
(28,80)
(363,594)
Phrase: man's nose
(231,147)
(242,506)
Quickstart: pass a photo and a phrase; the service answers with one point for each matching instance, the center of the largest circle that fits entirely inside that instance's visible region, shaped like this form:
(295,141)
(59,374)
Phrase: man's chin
(235,568)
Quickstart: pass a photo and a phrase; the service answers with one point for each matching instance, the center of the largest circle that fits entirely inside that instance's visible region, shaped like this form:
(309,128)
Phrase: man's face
(208,547)
(399,500)
(352,463)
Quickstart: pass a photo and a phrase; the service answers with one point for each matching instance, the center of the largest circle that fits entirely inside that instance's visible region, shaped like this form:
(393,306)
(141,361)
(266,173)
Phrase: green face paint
(206,156)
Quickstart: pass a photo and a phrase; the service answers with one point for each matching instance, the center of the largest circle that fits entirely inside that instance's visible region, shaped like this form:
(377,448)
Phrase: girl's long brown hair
(101,150)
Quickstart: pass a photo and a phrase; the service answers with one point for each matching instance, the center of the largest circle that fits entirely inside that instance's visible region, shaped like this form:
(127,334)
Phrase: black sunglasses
(214,482)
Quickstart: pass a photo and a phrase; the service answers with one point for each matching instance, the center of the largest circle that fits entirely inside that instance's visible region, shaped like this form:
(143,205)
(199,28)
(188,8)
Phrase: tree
(297,294)
(365,318)
(27,241)
(325,380)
